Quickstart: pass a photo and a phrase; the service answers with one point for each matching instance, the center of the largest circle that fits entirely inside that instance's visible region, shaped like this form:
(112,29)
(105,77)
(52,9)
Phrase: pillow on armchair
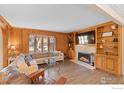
(20,61)
(28,59)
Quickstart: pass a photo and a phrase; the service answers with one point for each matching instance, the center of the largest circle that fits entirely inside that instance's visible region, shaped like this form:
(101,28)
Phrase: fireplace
(85,57)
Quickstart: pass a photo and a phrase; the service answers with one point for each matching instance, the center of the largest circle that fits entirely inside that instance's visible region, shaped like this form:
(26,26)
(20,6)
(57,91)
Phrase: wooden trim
(120,49)
(39,30)
(94,27)
(5,29)
(5,50)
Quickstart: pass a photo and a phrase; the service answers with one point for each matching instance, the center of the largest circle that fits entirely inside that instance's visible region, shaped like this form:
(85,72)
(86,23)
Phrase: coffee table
(50,61)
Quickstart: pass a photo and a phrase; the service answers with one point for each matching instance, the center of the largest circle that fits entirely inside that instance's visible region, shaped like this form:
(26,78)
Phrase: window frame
(42,45)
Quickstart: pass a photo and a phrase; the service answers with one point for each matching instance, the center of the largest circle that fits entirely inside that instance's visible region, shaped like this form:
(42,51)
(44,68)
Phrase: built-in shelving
(107,48)
(71,45)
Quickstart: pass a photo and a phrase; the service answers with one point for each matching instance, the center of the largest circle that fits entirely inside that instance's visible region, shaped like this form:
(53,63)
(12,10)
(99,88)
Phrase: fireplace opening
(86,58)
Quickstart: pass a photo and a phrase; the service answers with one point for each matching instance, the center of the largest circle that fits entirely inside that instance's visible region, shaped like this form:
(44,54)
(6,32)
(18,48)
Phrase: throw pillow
(28,59)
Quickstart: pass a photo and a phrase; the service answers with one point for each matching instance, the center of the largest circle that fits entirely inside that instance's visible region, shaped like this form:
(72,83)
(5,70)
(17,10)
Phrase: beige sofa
(39,58)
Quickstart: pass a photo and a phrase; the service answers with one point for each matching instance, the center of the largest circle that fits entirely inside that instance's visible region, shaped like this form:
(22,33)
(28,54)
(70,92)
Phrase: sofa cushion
(19,79)
(10,75)
(55,53)
(28,59)
(2,75)
(7,73)
(20,61)
(41,55)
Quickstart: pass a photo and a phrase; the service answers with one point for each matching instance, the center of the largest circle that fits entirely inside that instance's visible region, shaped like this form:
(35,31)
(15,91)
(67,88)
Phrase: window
(45,44)
(52,44)
(41,44)
(31,43)
(38,44)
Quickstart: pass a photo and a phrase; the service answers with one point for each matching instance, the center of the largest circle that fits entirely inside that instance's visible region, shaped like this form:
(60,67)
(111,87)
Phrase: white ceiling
(114,10)
(60,18)
(119,8)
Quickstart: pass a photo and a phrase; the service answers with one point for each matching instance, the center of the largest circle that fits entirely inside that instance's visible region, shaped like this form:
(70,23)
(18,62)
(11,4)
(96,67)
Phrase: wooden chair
(35,76)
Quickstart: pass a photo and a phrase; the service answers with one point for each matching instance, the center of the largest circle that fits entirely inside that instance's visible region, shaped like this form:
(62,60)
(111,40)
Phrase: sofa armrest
(29,69)
(62,55)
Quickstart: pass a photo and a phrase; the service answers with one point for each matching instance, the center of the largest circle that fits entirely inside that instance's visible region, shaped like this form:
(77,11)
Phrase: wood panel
(100,62)
(20,38)
(112,64)
(120,49)
(5,27)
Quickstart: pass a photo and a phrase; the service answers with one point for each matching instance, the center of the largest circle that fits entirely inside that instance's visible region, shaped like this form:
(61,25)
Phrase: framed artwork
(105,34)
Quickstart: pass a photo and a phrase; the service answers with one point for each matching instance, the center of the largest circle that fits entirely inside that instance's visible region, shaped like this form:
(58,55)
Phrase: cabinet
(71,54)
(71,45)
(100,60)
(107,63)
(112,64)
(108,47)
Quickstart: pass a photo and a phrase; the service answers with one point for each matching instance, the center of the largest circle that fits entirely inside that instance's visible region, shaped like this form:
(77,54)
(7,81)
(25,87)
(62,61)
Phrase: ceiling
(119,8)
(60,18)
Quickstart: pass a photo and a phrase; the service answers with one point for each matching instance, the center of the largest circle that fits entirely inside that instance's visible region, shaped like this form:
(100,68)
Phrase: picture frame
(107,34)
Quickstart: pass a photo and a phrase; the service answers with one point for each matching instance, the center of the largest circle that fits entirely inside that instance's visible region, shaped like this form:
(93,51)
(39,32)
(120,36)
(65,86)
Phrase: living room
(57,45)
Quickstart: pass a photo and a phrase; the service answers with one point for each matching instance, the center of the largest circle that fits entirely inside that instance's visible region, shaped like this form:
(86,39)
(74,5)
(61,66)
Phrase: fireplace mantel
(89,49)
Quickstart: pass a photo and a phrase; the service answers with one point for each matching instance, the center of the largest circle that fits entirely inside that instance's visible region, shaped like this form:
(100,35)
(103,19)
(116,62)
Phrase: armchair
(23,66)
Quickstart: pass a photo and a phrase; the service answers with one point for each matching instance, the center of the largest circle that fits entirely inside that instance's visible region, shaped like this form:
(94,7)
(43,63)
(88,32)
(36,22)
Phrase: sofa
(40,57)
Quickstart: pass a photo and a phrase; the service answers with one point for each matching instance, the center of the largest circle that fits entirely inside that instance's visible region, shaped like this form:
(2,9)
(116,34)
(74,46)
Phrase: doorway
(1,49)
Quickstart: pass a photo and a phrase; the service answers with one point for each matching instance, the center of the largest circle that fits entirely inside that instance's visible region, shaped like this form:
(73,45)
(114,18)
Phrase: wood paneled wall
(5,27)
(20,38)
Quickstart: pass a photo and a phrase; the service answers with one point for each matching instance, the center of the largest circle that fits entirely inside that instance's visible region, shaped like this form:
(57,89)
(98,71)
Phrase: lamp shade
(13,47)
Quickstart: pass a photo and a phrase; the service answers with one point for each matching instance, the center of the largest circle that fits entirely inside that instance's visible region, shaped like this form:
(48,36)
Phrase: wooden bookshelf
(71,44)
(107,46)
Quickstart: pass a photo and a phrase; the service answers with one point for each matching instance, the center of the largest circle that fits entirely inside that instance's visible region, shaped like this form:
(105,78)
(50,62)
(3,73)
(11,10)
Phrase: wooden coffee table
(35,75)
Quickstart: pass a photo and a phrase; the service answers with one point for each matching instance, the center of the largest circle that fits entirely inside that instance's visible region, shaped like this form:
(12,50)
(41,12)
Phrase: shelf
(107,42)
(106,54)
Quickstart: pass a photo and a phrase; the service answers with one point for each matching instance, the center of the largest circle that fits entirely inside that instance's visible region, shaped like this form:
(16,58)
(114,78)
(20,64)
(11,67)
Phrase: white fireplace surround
(85,49)
(90,48)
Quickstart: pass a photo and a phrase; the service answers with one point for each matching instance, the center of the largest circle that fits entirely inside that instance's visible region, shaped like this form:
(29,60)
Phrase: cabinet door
(100,61)
(71,54)
(112,64)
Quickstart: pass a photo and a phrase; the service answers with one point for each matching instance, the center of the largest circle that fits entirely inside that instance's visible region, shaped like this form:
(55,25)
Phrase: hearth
(85,57)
